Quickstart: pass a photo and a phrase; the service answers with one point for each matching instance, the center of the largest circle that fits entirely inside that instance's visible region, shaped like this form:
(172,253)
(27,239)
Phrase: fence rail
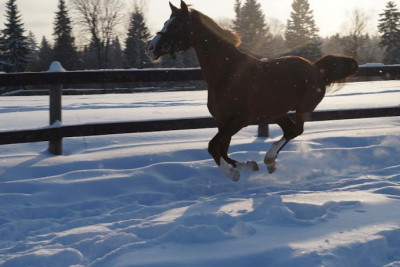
(57,79)
(141,75)
(100,76)
(57,133)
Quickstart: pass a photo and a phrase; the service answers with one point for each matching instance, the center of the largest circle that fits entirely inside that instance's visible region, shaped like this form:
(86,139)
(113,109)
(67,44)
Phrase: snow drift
(157,199)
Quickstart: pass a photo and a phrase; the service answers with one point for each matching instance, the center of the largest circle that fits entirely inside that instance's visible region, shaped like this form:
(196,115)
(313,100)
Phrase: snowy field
(157,199)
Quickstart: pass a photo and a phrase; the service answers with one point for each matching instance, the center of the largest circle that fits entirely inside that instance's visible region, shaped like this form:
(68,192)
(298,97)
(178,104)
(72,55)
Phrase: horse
(244,90)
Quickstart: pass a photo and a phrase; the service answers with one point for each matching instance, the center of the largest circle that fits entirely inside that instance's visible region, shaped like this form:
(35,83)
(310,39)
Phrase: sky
(330,16)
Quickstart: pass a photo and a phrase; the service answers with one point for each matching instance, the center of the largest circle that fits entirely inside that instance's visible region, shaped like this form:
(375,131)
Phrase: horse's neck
(214,55)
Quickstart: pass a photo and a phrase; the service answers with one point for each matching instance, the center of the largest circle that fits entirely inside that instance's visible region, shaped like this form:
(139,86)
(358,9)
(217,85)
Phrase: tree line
(99,19)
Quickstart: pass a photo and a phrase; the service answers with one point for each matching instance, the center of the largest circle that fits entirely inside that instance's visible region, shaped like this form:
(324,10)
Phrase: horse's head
(175,35)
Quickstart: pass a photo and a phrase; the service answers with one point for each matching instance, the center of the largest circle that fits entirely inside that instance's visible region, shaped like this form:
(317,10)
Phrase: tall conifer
(64,42)
(389,28)
(33,52)
(250,24)
(14,45)
(136,41)
(301,34)
(45,55)
(116,55)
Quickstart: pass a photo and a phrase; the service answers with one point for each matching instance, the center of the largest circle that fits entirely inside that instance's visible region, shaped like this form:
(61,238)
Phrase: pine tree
(301,32)
(237,20)
(45,55)
(250,24)
(2,56)
(14,44)
(354,45)
(116,55)
(389,28)
(89,56)
(34,52)
(64,42)
(31,42)
(136,41)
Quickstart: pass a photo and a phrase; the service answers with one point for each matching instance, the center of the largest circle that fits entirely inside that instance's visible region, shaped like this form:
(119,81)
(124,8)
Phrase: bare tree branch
(101,19)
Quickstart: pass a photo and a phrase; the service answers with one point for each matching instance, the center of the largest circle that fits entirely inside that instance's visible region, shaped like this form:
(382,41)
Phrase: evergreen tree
(34,52)
(301,32)
(136,41)
(2,56)
(332,45)
(89,56)
(45,55)
(237,20)
(14,44)
(354,45)
(64,43)
(389,28)
(116,55)
(31,42)
(250,24)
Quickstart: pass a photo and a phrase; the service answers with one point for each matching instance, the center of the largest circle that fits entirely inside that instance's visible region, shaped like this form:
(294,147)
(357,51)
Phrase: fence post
(263,130)
(55,145)
(55,93)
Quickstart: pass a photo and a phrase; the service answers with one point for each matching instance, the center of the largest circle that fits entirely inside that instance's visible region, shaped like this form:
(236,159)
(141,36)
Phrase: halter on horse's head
(175,36)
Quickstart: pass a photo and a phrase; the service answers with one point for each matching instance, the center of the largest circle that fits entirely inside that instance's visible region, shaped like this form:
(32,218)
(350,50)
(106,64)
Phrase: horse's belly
(267,105)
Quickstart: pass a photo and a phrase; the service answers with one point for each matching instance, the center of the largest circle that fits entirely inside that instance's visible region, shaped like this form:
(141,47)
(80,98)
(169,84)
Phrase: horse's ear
(184,7)
(173,8)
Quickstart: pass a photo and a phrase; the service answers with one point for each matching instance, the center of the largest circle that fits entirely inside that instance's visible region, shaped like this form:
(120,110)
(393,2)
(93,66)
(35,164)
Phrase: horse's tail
(335,69)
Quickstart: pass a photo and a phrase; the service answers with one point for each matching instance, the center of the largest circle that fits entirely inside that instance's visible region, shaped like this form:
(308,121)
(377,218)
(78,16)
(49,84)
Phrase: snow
(373,64)
(55,66)
(158,199)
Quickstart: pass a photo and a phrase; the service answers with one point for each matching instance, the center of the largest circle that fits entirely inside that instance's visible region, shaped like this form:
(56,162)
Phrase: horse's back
(284,84)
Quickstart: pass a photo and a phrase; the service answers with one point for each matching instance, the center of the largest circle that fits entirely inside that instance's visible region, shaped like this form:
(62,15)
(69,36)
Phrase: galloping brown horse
(243,90)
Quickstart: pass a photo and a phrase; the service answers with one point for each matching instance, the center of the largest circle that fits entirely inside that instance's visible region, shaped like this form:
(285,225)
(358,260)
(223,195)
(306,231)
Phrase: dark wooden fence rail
(57,79)
(143,75)
(57,133)
(100,76)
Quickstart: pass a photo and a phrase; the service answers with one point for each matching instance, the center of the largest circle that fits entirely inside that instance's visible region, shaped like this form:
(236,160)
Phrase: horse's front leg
(226,165)
(218,148)
(223,149)
(247,165)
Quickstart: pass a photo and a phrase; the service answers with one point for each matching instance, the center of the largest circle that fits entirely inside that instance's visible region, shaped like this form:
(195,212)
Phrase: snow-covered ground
(157,199)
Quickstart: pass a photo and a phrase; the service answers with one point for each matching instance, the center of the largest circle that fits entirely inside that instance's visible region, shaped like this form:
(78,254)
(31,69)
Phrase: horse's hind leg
(291,129)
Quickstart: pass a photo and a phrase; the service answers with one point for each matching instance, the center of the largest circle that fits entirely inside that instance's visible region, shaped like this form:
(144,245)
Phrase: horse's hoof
(269,161)
(234,175)
(248,165)
(254,165)
(271,169)
(229,171)
(271,164)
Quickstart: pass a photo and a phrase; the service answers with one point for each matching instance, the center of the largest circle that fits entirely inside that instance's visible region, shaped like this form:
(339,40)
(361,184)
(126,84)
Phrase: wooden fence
(55,134)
